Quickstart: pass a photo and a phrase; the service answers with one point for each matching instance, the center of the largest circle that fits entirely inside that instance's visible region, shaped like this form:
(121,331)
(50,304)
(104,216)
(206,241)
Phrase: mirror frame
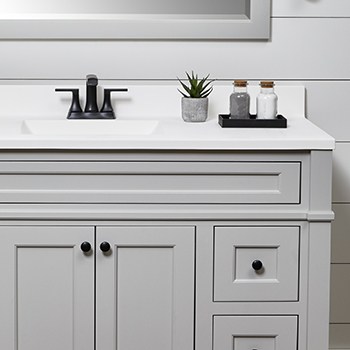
(255,25)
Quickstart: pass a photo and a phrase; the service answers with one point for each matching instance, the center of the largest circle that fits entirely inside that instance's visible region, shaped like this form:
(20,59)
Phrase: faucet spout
(91,94)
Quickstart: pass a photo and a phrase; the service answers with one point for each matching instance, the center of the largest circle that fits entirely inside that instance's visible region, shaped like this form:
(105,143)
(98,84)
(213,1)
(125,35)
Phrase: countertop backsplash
(39,100)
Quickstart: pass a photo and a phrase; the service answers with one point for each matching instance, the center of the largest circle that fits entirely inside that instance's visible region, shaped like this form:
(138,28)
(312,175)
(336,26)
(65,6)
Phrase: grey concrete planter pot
(194,109)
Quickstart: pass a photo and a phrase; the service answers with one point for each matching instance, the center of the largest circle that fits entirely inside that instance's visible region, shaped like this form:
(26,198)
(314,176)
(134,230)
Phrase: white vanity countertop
(174,134)
(171,133)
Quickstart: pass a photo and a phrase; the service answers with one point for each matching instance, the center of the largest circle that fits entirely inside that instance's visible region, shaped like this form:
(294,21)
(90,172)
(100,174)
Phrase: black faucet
(91,94)
(91,109)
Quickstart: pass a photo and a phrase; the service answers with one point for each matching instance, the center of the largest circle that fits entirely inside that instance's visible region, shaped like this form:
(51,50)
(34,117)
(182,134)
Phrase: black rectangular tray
(226,122)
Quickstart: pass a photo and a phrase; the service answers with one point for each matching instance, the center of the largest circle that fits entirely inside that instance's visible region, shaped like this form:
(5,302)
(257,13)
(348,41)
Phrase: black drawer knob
(85,247)
(257,265)
(105,246)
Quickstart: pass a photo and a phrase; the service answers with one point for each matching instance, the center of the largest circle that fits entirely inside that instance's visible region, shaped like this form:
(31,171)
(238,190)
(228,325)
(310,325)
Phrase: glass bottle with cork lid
(239,101)
(266,101)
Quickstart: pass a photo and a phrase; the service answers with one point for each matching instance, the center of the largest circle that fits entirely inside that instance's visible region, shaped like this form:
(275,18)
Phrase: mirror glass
(170,7)
(134,19)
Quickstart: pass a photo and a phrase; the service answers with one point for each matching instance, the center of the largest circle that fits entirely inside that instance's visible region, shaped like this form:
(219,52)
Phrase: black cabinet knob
(257,265)
(85,247)
(105,246)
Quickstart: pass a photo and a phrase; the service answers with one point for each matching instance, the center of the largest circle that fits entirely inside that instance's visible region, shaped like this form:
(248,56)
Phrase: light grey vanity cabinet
(208,250)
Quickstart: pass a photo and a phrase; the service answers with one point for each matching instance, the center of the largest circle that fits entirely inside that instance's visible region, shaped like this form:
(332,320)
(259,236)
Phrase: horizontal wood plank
(341,173)
(340,291)
(326,106)
(339,336)
(341,234)
(311,8)
(296,50)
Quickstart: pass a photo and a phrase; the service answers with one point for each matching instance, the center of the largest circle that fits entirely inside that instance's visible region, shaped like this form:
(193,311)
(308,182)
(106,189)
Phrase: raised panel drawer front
(256,263)
(255,332)
(151,182)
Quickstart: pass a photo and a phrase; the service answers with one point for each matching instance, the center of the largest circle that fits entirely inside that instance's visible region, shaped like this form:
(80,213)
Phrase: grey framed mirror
(134,19)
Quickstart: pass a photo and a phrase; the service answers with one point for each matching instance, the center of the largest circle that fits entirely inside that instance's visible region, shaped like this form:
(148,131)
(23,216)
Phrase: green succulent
(197,88)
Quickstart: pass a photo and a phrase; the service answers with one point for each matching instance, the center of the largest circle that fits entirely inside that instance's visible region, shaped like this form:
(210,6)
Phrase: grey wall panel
(341,234)
(339,336)
(327,106)
(341,173)
(340,291)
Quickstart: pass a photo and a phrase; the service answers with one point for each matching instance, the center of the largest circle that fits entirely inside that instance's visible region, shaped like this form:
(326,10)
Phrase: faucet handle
(92,80)
(75,106)
(107,105)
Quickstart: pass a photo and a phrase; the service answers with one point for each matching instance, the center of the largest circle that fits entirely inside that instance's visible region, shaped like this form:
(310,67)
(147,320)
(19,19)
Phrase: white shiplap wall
(309,46)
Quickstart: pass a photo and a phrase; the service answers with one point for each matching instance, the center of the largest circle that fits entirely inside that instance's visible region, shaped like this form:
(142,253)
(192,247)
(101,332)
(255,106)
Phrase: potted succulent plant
(195,98)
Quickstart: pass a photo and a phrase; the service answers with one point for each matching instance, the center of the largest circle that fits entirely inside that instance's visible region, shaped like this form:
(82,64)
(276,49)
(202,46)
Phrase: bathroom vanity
(217,239)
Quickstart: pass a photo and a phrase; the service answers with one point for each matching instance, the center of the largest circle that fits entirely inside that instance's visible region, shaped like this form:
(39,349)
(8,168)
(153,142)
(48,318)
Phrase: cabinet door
(47,291)
(145,288)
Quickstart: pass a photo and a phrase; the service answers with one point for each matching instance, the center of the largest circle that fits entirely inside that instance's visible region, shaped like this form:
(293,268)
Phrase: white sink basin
(89,127)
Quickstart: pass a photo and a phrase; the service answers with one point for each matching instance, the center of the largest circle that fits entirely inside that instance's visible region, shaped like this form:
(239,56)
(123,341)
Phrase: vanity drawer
(151,182)
(255,332)
(254,263)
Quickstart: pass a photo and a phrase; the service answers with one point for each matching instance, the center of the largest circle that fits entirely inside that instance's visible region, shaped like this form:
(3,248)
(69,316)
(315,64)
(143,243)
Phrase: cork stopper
(267,84)
(242,83)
